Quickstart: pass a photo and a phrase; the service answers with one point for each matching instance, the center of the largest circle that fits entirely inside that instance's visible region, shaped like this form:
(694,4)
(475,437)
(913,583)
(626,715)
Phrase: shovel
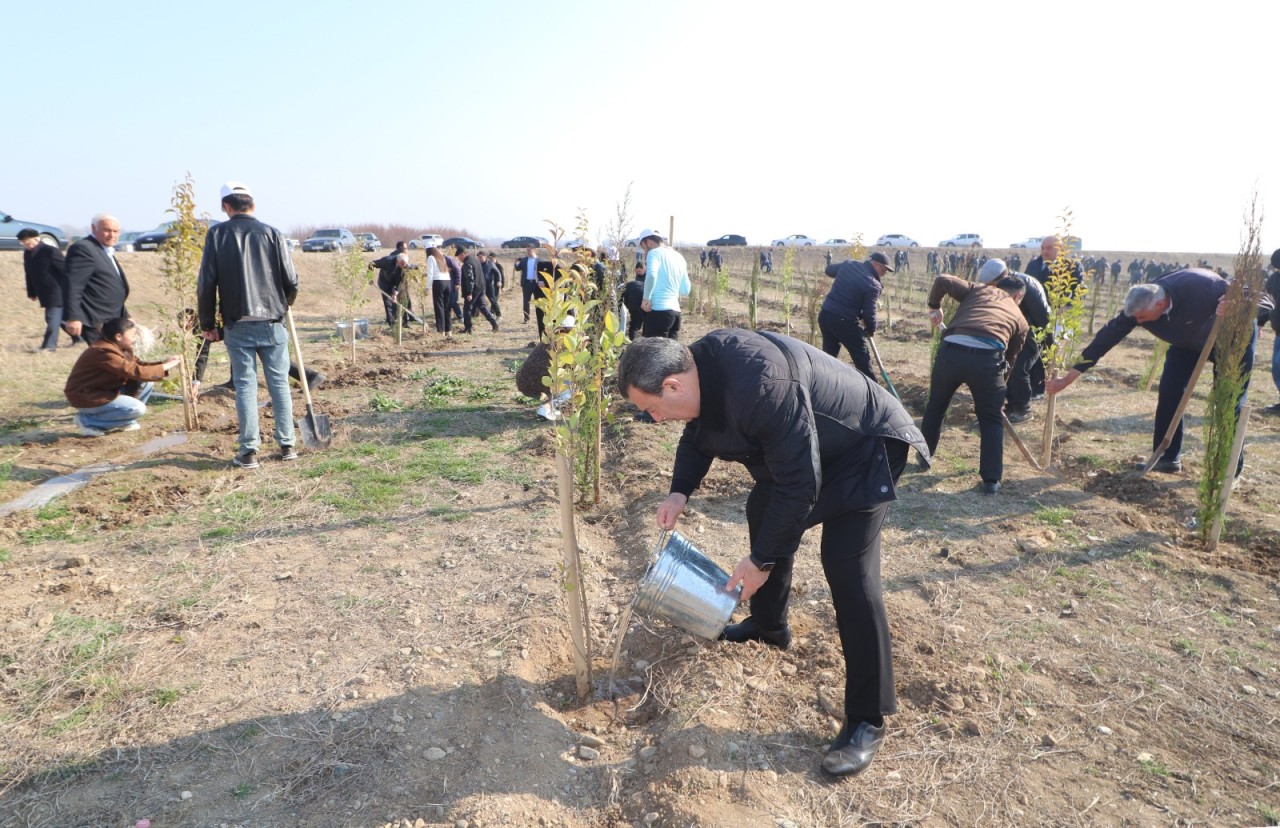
(315,428)
(413,316)
(889,383)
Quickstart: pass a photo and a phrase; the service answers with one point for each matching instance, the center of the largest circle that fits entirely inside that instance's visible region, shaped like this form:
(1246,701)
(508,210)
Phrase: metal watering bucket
(686,588)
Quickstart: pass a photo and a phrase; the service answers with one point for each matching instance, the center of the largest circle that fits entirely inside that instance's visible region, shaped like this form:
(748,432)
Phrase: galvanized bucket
(686,588)
(361,329)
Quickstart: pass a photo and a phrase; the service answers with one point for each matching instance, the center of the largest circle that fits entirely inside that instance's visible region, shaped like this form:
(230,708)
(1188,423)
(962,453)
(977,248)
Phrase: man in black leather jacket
(247,276)
(825,445)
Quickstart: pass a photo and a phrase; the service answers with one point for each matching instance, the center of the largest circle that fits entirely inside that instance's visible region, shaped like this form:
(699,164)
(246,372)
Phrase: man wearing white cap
(666,282)
(247,275)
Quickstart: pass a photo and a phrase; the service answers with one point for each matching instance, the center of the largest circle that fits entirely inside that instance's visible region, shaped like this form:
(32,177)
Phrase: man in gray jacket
(247,275)
(848,315)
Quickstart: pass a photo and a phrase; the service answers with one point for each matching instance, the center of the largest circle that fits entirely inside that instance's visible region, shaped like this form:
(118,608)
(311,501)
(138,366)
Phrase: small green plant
(384,403)
(1237,330)
(753,298)
(788,273)
(353,276)
(1067,309)
(179,271)
(1186,647)
(165,696)
(5,555)
(18,424)
(1054,515)
(1154,766)
(217,532)
(241,790)
(1267,812)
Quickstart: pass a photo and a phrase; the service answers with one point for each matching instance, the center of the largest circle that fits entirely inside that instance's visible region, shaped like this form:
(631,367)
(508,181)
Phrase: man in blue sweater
(848,314)
(1178,307)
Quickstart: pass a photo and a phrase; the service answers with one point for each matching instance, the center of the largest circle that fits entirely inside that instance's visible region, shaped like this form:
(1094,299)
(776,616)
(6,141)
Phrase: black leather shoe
(990,486)
(1019,416)
(851,753)
(749,630)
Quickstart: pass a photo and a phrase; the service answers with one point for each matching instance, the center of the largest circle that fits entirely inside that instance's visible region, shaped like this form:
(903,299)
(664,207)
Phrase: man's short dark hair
(647,362)
(400,245)
(1010,284)
(116,326)
(27,233)
(238,202)
(459,250)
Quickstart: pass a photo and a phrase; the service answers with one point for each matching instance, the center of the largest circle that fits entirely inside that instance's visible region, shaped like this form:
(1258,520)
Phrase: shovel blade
(315,432)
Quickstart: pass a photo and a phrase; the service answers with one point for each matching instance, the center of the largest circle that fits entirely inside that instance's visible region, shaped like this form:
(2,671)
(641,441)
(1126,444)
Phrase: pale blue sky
(1153,121)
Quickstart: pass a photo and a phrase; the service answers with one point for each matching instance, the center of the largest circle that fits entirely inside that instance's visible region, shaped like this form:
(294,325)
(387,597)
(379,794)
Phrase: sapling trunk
(575,594)
(1237,446)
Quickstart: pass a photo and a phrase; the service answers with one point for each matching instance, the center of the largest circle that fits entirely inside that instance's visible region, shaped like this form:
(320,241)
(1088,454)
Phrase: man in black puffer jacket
(825,445)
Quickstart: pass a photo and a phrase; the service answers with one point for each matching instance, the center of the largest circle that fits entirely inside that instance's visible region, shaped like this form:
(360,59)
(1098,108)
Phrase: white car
(1029,243)
(962,240)
(836,243)
(896,240)
(794,241)
(426,240)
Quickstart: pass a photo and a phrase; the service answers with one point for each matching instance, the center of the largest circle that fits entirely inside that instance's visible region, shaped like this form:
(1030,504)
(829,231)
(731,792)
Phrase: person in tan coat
(108,384)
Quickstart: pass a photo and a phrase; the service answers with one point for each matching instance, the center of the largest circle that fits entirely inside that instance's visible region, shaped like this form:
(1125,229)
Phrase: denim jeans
(120,412)
(52,327)
(268,342)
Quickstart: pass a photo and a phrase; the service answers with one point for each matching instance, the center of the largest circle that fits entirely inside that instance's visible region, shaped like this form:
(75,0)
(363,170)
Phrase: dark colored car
(461,241)
(728,240)
(521,242)
(152,239)
(9,227)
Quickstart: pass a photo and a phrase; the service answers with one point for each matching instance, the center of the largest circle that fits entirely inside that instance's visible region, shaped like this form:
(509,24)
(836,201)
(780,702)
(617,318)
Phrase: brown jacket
(104,371)
(985,311)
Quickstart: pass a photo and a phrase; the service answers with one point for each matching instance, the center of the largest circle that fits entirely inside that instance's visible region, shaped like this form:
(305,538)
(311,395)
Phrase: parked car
(794,241)
(426,240)
(835,243)
(574,244)
(728,240)
(152,239)
(125,243)
(962,240)
(1029,243)
(461,241)
(369,242)
(9,227)
(329,240)
(521,242)
(896,240)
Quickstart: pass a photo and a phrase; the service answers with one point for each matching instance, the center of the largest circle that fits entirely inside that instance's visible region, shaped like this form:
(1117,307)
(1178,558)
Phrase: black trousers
(389,306)
(529,288)
(492,291)
(836,331)
(453,301)
(1178,365)
(980,369)
(473,305)
(851,562)
(661,323)
(1019,398)
(442,300)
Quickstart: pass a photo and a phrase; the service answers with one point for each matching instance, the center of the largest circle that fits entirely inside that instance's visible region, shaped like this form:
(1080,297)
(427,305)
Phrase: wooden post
(1046,448)
(671,230)
(575,596)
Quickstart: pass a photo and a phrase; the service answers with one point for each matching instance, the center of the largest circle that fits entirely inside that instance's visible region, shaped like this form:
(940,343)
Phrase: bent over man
(986,332)
(1179,308)
(825,445)
(848,315)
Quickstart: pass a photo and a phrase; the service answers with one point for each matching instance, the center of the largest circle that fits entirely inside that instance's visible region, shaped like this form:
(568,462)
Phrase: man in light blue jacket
(666,282)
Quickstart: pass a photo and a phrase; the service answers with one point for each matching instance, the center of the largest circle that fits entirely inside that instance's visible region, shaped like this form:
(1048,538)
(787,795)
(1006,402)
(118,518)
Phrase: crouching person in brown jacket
(108,383)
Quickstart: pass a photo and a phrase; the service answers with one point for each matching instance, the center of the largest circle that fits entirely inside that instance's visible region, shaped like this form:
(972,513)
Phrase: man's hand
(645,306)
(749,575)
(1059,384)
(172,362)
(212,336)
(73,327)
(935,317)
(1222,305)
(670,510)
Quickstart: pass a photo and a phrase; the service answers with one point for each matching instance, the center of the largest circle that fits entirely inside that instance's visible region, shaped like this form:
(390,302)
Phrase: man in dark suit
(96,284)
(526,270)
(46,282)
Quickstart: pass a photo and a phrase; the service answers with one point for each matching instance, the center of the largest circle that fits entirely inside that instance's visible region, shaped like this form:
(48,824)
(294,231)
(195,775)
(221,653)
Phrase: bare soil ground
(375,635)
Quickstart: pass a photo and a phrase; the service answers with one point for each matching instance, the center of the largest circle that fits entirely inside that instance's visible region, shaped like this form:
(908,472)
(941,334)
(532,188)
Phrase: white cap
(646,233)
(235,188)
(991,270)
